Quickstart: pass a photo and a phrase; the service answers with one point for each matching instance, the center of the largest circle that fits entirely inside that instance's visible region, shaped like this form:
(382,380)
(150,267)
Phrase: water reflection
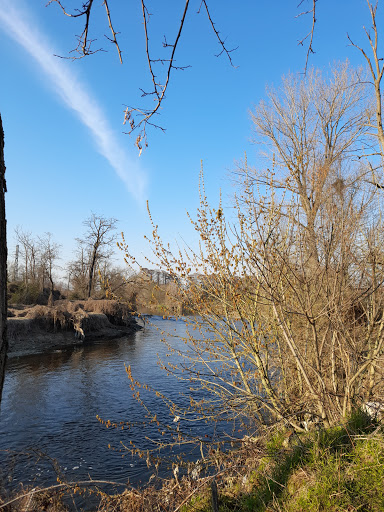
(50,403)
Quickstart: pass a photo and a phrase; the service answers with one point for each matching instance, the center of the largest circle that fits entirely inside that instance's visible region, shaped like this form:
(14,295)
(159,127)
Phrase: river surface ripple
(50,403)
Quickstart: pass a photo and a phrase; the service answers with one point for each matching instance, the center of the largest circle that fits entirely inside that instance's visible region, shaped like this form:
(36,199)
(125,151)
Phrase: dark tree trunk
(3,264)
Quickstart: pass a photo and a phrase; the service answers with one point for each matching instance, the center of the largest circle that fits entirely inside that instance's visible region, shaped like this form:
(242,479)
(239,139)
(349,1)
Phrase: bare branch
(224,49)
(159,86)
(310,34)
(145,11)
(113,39)
(376,68)
(83,47)
(159,90)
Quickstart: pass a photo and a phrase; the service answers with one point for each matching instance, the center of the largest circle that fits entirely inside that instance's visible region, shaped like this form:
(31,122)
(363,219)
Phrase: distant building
(157,276)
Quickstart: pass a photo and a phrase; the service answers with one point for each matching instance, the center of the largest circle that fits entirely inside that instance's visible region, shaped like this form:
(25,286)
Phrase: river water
(50,403)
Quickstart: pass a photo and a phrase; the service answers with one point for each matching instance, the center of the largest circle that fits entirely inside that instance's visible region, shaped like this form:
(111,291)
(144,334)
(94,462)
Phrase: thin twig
(113,40)
(224,49)
(310,34)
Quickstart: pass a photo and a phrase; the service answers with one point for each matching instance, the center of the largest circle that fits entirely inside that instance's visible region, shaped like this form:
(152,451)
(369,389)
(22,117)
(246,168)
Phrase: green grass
(339,469)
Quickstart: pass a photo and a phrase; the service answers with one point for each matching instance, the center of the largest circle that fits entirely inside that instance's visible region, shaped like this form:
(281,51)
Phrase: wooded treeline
(36,265)
(37,274)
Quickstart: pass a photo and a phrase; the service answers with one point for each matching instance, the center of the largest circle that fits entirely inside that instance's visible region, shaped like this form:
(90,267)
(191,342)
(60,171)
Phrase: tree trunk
(91,271)
(3,264)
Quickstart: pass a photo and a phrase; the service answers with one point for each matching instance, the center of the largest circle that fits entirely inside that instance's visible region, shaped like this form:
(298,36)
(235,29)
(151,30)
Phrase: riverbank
(337,469)
(37,329)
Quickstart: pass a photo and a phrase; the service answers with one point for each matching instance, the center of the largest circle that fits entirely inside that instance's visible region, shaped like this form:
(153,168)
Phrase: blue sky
(66,154)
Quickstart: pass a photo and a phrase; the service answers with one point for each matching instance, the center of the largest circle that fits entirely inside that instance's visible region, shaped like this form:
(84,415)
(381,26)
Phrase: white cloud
(74,94)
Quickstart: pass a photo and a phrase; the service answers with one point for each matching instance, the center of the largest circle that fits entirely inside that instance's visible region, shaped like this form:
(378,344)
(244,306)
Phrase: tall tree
(49,254)
(3,263)
(98,239)
(29,252)
(77,274)
(309,126)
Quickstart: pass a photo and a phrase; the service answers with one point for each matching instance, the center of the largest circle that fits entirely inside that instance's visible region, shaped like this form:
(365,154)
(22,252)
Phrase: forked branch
(83,47)
(310,34)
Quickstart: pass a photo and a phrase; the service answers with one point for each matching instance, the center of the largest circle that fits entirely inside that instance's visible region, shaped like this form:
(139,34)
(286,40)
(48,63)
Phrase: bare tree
(113,280)
(77,274)
(160,67)
(30,253)
(307,127)
(49,254)
(97,240)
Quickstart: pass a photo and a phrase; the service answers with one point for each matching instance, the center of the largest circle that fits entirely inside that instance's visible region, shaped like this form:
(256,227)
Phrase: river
(50,403)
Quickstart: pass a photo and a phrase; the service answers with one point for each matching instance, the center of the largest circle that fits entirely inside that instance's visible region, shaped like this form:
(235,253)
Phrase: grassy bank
(339,469)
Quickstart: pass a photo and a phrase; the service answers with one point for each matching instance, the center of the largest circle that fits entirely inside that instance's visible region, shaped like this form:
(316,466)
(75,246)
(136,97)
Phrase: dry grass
(50,317)
(46,318)
(34,500)
(117,312)
(93,322)
(81,316)
(167,495)
(70,305)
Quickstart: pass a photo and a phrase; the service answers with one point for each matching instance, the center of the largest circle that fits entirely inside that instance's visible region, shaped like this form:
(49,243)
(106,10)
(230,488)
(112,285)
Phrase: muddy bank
(37,329)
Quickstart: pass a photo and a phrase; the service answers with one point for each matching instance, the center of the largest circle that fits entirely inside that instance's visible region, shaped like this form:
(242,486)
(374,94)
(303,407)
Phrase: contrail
(74,94)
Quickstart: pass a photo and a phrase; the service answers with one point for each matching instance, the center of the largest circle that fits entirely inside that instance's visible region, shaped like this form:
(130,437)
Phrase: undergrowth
(339,469)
